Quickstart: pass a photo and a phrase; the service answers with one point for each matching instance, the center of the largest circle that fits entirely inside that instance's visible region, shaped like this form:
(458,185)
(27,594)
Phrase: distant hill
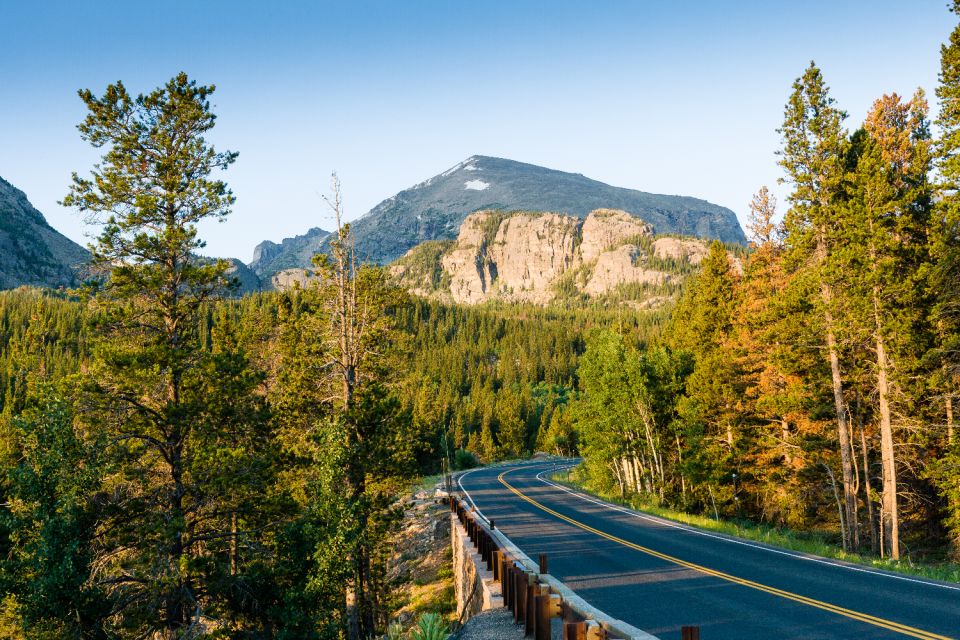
(31,251)
(435,209)
(34,253)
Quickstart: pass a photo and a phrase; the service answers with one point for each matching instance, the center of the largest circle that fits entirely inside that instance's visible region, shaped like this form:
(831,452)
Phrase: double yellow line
(826,606)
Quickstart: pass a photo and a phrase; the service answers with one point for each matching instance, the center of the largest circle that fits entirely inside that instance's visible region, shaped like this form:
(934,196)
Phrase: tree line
(814,382)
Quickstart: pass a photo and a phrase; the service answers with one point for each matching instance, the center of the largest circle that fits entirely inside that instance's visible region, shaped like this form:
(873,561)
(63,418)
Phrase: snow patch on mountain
(475,185)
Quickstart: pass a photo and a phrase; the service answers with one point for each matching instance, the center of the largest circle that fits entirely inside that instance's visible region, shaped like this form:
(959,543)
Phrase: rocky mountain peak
(435,209)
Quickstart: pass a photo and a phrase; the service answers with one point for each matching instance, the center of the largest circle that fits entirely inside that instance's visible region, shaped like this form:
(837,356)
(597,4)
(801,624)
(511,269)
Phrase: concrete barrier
(475,586)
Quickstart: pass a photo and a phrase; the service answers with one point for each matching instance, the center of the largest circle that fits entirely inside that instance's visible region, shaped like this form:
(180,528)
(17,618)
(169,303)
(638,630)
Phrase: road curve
(658,575)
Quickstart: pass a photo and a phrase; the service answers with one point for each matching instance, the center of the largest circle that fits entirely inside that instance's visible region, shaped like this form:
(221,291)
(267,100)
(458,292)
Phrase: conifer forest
(179,461)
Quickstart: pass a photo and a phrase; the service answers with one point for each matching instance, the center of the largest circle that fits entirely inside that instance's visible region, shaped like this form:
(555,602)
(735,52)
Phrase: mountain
(548,258)
(270,258)
(247,279)
(435,209)
(31,251)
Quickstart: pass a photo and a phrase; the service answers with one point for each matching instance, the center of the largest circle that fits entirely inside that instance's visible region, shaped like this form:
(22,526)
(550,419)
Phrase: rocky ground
(421,565)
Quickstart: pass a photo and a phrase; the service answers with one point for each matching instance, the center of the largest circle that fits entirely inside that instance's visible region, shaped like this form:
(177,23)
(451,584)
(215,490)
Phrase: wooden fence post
(541,629)
(689,633)
(574,631)
(533,590)
(519,614)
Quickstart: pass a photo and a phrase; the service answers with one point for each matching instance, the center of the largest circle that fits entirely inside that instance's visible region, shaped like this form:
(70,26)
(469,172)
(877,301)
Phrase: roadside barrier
(534,596)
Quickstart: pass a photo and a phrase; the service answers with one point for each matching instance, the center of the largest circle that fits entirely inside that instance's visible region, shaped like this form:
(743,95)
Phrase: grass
(805,542)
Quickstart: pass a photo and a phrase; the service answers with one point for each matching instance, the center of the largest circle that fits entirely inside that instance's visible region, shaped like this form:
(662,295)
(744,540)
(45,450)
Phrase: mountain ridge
(31,251)
(435,208)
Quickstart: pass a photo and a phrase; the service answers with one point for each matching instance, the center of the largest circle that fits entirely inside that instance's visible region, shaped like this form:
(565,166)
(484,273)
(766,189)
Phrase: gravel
(495,624)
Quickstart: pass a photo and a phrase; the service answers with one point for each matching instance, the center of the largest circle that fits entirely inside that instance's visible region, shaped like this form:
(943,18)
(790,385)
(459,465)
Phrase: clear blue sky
(678,97)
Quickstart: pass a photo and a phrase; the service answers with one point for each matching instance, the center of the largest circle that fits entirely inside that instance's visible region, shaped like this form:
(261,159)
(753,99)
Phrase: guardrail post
(497,562)
(574,631)
(541,627)
(595,631)
(520,613)
(689,633)
(543,563)
(533,590)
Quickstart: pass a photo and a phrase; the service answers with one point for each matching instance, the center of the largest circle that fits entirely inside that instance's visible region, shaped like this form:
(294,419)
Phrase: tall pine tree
(814,147)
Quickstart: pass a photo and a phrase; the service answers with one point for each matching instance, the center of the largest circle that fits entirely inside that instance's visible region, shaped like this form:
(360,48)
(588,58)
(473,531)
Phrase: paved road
(658,575)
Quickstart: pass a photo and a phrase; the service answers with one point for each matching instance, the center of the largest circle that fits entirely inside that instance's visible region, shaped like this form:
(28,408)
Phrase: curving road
(658,575)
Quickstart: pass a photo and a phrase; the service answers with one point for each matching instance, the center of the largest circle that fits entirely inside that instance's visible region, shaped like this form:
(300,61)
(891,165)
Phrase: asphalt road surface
(658,575)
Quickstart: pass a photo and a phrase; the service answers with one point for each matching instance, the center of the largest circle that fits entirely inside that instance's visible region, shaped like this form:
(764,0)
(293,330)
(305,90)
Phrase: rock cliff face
(545,257)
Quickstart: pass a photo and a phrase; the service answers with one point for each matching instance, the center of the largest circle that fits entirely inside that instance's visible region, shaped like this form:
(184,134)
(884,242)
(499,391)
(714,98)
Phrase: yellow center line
(826,606)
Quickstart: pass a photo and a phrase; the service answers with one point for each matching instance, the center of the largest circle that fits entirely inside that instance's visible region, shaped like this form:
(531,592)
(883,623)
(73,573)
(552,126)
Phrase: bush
(430,626)
(464,459)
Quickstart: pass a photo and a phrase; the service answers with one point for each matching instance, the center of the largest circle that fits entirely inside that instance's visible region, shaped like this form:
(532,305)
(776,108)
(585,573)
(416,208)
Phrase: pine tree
(814,148)
(945,276)
(711,406)
(885,259)
(148,390)
(51,522)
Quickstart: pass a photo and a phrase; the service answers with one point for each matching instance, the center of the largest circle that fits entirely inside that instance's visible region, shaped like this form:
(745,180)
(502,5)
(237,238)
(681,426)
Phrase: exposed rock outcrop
(693,251)
(607,228)
(618,266)
(289,278)
(537,257)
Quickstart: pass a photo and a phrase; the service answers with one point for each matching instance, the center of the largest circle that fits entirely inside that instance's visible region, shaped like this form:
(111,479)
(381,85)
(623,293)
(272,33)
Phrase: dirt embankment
(421,568)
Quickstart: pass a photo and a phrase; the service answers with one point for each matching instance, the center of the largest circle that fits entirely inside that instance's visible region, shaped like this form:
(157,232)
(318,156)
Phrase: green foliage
(430,626)
(463,459)
(51,520)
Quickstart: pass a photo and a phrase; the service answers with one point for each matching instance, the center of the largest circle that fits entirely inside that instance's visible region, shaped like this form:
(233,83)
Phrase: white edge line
(700,532)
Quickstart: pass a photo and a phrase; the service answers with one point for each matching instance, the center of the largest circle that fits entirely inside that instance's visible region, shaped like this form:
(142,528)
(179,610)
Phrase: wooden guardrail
(534,596)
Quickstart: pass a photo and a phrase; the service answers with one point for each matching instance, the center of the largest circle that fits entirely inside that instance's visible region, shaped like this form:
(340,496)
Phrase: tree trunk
(868,490)
(683,481)
(616,471)
(233,543)
(851,539)
(628,474)
(949,419)
(836,496)
(785,438)
(890,516)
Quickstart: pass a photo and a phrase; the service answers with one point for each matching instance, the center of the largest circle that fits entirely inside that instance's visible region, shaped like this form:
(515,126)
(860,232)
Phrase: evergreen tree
(148,392)
(814,149)
(51,518)
(711,406)
(885,259)
(945,275)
